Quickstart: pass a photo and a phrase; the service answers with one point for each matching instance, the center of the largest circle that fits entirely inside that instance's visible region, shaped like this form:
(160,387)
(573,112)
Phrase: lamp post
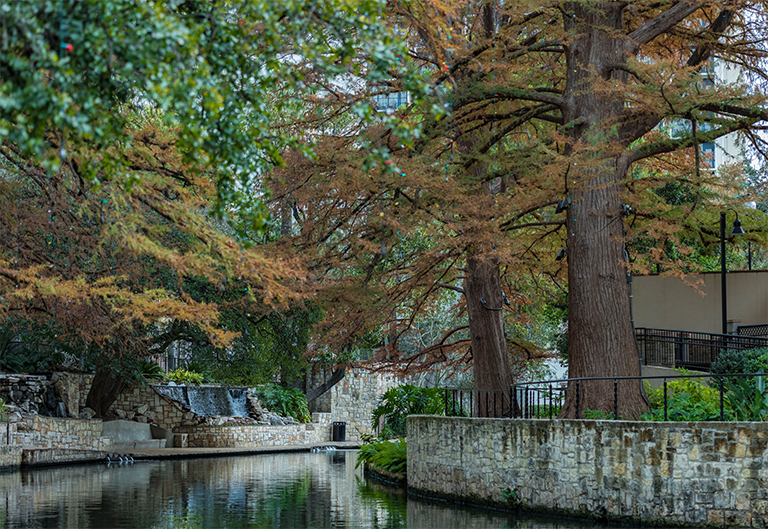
(723,291)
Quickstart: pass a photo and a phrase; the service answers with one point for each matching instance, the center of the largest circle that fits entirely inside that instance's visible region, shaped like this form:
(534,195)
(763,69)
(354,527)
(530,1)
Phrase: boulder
(120,413)
(142,419)
(87,413)
(142,409)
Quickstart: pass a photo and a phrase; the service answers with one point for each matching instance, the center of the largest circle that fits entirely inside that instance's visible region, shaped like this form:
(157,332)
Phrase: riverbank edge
(396,479)
(42,457)
(517,507)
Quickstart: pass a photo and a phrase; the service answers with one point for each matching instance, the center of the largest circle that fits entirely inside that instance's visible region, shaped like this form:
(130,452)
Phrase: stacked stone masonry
(51,432)
(689,473)
(164,412)
(31,393)
(318,431)
(355,397)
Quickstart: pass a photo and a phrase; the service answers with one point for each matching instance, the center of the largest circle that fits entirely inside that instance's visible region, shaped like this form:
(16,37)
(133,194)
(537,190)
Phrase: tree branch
(661,24)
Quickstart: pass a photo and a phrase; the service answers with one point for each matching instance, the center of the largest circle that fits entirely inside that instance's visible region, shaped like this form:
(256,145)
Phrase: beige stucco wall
(669,303)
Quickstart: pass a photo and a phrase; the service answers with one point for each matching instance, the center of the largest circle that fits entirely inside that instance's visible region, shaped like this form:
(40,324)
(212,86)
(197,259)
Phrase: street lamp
(735,231)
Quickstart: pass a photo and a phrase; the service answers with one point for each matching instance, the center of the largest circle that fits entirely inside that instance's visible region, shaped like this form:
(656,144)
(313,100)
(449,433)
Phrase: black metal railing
(544,399)
(753,330)
(688,349)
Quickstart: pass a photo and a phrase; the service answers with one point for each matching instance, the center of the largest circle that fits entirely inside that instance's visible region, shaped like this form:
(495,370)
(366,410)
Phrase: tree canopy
(559,119)
(134,142)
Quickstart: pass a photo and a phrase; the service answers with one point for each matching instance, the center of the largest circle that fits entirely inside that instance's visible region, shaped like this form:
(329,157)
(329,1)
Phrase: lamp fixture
(737,229)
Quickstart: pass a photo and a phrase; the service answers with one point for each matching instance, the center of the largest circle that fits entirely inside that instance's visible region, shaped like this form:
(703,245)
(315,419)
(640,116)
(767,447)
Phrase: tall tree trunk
(601,337)
(493,376)
(105,389)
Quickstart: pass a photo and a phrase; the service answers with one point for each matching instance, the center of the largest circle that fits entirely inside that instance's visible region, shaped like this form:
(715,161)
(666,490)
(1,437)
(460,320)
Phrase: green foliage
(288,402)
(687,400)
(182,376)
(3,409)
(509,495)
(747,399)
(29,347)
(748,361)
(151,370)
(269,346)
(399,402)
(216,72)
(598,415)
(391,456)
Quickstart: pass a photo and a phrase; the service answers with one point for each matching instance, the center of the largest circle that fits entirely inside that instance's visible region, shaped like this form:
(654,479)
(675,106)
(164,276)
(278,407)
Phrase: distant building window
(391,101)
(708,155)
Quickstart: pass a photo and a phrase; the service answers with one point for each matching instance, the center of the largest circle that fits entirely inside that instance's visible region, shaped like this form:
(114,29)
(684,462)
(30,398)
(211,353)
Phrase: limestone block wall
(10,456)
(354,398)
(38,432)
(318,431)
(160,410)
(692,473)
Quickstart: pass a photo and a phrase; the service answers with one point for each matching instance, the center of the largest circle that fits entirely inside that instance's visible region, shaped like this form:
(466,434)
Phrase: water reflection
(289,490)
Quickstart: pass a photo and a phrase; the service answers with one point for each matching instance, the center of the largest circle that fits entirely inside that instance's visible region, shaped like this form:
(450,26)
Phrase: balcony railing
(690,350)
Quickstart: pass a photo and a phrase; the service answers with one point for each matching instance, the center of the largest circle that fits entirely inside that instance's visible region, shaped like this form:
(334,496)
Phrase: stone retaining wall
(160,410)
(318,431)
(665,473)
(354,398)
(52,432)
(10,456)
(31,393)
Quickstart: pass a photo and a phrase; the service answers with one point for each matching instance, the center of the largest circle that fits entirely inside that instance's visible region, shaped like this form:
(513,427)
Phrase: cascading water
(238,402)
(209,401)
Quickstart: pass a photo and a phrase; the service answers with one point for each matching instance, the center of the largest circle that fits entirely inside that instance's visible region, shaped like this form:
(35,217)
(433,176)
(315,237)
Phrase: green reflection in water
(288,490)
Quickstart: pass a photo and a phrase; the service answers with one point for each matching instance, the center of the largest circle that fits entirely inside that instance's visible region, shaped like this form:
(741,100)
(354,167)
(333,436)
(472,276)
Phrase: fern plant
(391,456)
(399,402)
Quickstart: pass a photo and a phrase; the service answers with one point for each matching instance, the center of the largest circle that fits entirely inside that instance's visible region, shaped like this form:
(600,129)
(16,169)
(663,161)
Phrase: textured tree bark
(105,389)
(601,336)
(493,376)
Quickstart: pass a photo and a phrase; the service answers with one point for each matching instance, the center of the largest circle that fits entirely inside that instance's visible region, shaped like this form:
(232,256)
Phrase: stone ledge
(59,456)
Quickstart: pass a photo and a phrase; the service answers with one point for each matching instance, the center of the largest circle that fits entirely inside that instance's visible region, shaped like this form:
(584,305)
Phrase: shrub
(399,402)
(687,400)
(182,376)
(3,409)
(747,400)
(391,456)
(749,361)
(288,402)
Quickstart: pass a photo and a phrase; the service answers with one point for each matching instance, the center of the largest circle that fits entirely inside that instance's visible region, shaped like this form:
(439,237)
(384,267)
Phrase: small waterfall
(176,393)
(209,401)
(238,402)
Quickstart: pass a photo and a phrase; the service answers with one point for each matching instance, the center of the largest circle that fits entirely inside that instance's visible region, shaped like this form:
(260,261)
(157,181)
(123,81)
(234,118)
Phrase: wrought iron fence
(544,399)
(690,350)
(753,330)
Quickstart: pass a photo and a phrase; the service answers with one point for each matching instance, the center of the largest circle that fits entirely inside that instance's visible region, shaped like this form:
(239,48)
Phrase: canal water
(287,490)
